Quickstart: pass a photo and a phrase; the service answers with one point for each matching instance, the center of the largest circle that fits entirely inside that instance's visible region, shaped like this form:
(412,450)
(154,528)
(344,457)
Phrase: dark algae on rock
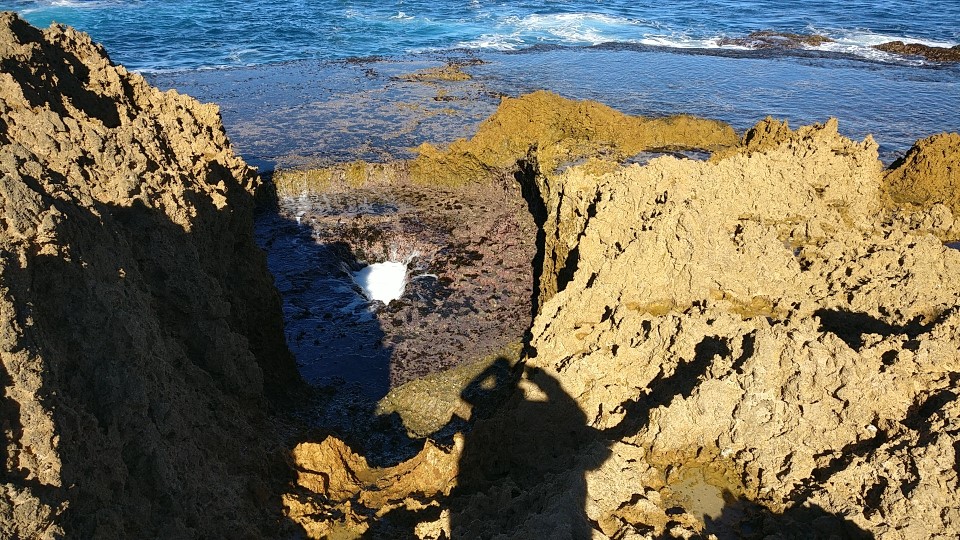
(140,334)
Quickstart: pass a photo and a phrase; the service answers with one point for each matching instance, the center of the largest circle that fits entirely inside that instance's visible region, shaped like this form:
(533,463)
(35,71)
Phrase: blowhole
(383,281)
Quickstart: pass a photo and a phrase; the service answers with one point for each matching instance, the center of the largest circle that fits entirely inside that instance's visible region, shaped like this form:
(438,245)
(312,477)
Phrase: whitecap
(514,32)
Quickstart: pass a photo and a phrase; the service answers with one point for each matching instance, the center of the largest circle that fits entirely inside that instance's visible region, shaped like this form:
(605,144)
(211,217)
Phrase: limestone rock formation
(760,345)
(762,320)
(928,175)
(561,131)
(139,328)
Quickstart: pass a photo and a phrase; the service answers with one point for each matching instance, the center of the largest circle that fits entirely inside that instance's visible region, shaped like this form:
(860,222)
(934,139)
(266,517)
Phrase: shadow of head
(744,519)
(490,388)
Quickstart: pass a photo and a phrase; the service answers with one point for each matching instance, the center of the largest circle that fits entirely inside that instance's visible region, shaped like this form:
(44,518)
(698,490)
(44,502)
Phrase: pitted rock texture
(799,332)
(140,332)
(928,175)
(755,346)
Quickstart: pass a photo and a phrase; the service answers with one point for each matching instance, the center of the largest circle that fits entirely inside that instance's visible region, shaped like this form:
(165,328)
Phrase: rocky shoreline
(786,306)
(783,40)
(763,342)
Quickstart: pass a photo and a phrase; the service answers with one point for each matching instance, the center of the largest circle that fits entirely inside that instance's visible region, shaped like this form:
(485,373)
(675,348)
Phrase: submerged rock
(140,333)
(452,71)
(767,39)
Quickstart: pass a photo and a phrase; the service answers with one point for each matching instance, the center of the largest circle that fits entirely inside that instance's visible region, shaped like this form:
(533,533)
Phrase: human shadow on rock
(523,467)
(742,519)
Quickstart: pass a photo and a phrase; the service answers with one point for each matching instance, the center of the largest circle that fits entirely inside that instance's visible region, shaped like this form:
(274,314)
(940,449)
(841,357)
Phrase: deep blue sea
(642,57)
(176,34)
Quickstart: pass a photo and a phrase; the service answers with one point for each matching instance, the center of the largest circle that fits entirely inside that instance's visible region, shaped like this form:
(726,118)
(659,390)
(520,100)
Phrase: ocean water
(314,80)
(152,35)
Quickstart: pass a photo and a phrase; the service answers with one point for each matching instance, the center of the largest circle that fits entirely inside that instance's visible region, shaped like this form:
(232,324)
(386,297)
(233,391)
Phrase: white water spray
(383,281)
(386,281)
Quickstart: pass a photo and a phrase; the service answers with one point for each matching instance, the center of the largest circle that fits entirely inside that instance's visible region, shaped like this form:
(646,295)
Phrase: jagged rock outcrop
(765,325)
(139,329)
(762,344)
(928,176)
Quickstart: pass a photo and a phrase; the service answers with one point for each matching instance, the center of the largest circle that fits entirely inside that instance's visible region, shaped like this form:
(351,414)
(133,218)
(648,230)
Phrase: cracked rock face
(761,344)
(139,328)
(774,327)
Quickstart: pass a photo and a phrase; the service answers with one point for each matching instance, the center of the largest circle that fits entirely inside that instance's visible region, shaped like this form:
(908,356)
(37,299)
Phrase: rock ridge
(141,333)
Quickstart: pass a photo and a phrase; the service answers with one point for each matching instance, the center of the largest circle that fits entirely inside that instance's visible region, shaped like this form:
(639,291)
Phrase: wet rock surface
(776,40)
(936,54)
(469,286)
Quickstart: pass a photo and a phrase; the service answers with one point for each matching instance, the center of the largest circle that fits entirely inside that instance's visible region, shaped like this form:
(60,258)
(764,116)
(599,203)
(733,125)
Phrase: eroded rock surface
(936,54)
(927,176)
(140,328)
(760,344)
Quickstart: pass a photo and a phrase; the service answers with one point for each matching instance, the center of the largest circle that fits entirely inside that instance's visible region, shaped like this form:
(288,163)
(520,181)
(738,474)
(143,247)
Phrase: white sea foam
(383,281)
(869,39)
(687,42)
(515,32)
(497,42)
(859,43)
(79,4)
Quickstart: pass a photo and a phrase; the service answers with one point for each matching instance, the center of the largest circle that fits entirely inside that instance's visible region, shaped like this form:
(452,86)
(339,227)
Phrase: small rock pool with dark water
(467,292)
